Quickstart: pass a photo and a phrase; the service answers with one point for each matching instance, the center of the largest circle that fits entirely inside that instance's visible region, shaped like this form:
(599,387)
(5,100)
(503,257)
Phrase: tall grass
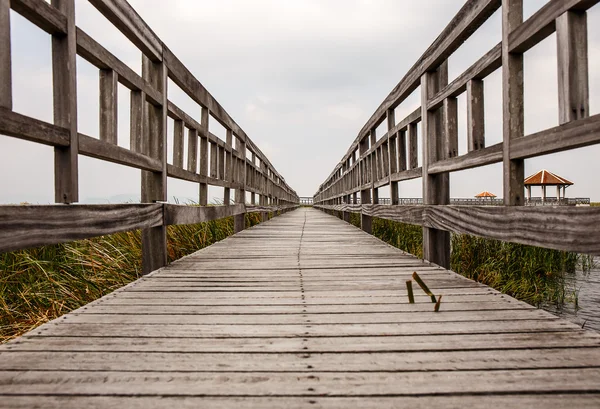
(532,274)
(40,284)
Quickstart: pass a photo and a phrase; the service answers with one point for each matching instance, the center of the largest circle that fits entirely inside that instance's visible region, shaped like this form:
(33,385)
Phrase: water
(587,286)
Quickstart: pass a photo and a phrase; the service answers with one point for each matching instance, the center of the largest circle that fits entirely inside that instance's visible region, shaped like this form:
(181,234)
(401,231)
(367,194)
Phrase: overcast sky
(300,77)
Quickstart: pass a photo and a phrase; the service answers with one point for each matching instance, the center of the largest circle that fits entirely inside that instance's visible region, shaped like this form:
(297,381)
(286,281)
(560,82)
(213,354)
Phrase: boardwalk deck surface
(303,311)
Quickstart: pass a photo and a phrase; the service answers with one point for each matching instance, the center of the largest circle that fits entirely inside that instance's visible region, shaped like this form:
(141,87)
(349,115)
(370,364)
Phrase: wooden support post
(137,114)
(512,102)
(154,184)
(64,80)
(213,160)
(450,127)
(392,156)
(178,130)
(239,221)
(573,81)
(413,154)
(475,115)
(192,159)
(109,86)
(436,188)
(366,222)
(227,191)
(5,56)
(204,155)
(402,166)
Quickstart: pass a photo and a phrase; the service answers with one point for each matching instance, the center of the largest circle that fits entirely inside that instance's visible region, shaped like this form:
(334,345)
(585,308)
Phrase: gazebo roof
(485,194)
(545,178)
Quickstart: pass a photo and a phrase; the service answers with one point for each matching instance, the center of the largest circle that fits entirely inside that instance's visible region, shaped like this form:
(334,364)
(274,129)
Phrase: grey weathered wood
(513,118)
(180,214)
(543,23)
(128,21)
(475,116)
(178,131)
(450,128)
(473,159)
(239,221)
(42,14)
(5,56)
(95,148)
(203,191)
(30,226)
(66,183)
(231,321)
(192,159)
(560,228)
(412,147)
(31,129)
(572,52)
(108,106)
(137,121)
(436,187)
(154,184)
(486,65)
(96,54)
(572,135)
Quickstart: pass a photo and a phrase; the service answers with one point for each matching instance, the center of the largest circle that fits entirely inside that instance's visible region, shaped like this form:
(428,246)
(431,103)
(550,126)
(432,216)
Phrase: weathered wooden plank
(154,184)
(483,67)
(178,130)
(64,81)
(44,15)
(420,361)
(513,116)
(475,115)
(181,214)
(108,106)
(533,401)
(30,226)
(473,159)
(412,146)
(137,121)
(99,56)
(31,129)
(373,343)
(573,81)
(5,56)
(450,114)
(578,380)
(572,135)
(95,148)
(192,159)
(542,24)
(128,21)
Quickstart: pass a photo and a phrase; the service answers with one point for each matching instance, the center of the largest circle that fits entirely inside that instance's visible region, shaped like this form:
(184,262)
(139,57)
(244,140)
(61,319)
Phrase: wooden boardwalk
(302,311)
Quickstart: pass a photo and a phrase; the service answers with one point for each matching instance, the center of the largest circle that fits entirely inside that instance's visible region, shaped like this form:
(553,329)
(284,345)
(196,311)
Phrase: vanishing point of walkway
(302,311)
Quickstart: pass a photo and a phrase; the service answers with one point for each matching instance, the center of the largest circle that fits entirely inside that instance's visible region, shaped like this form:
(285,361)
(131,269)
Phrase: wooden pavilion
(544,178)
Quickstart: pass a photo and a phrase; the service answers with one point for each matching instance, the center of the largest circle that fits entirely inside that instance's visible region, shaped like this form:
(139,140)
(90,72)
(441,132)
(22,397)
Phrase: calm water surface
(587,285)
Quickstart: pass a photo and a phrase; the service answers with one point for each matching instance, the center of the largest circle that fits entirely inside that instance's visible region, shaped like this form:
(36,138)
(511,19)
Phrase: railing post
(64,79)
(5,56)
(513,116)
(366,222)
(203,192)
(154,184)
(392,156)
(239,221)
(573,77)
(436,188)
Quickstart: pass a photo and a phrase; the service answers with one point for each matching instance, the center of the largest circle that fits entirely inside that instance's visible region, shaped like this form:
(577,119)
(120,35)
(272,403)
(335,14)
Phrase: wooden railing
(370,163)
(227,165)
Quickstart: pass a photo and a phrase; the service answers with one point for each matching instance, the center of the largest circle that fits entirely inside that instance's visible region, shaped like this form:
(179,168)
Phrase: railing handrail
(227,165)
(371,163)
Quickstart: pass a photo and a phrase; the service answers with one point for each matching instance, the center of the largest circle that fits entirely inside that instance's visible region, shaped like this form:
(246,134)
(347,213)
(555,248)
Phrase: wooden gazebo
(544,179)
(485,194)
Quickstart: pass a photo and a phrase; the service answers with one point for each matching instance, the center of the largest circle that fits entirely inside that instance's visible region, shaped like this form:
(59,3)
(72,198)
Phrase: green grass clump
(40,284)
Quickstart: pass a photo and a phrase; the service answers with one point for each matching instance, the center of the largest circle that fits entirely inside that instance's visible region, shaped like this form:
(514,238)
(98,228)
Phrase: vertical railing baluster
(109,86)
(512,101)
(154,184)
(64,80)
